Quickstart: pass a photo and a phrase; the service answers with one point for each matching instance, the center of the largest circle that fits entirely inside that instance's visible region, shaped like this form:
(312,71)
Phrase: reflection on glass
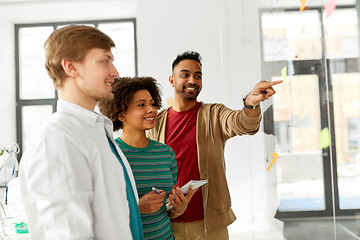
(291,36)
(124,51)
(34,80)
(346,94)
(341,34)
(297,128)
(342,44)
(32,118)
(323,93)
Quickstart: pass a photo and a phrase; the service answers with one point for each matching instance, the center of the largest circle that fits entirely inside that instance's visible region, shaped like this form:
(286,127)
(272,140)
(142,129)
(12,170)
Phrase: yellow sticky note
(283,73)
(325,138)
(275,155)
(303,2)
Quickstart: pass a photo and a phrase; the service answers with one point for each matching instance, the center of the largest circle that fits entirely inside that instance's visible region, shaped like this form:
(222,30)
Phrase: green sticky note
(283,73)
(21,228)
(325,138)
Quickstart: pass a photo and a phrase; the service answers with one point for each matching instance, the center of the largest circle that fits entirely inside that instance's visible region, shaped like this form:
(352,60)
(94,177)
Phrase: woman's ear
(69,67)
(121,117)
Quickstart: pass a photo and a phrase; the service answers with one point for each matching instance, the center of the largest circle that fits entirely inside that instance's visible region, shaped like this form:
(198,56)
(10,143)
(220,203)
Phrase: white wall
(226,34)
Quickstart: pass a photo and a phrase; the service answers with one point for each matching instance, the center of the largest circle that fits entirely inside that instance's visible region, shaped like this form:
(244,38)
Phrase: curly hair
(124,89)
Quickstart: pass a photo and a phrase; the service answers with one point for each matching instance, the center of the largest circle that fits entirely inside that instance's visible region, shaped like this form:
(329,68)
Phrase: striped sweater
(153,166)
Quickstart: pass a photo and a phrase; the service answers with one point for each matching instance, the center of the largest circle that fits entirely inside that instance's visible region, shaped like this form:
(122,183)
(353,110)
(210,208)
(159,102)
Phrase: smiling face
(95,75)
(140,113)
(187,79)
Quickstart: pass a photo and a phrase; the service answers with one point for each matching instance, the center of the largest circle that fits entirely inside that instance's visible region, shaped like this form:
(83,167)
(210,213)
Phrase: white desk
(11,214)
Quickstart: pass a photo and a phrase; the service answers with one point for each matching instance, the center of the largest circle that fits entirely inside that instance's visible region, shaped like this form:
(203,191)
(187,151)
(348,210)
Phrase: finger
(180,194)
(177,199)
(276,82)
(171,199)
(158,195)
(158,201)
(191,193)
(270,84)
(265,84)
(162,194)
(150,193)
(157,191)
(269,92)
(191,190)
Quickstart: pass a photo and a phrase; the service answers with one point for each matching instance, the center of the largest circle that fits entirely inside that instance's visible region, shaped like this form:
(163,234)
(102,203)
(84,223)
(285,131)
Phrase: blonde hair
(72,42)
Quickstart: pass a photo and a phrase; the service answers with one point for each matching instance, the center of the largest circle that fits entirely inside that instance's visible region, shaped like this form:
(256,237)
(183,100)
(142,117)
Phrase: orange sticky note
(329,8)
(275,155)
(303,2)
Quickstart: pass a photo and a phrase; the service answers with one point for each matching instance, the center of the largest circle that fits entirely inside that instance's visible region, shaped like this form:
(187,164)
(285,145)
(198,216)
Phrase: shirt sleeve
(236,122)
(58,180)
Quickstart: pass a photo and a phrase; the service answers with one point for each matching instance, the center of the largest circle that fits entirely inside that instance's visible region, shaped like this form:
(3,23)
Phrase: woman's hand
(151,202)
(179,200)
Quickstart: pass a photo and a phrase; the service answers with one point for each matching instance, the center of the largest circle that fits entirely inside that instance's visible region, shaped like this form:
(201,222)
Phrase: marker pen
(157,191)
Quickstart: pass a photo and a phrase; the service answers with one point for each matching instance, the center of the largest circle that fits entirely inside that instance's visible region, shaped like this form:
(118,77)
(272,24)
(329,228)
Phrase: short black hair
(186,55)
(124,89)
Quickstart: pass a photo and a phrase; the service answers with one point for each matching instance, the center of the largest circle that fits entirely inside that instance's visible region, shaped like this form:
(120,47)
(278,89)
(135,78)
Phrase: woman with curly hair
(134,109)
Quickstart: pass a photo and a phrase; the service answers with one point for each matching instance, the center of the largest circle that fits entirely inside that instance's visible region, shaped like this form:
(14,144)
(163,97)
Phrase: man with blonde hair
(75,182)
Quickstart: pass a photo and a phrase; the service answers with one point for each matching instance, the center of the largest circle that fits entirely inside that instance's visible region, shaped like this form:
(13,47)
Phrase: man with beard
(197,133)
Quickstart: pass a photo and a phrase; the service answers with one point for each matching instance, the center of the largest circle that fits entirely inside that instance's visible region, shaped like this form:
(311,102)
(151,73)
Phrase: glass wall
(316,118)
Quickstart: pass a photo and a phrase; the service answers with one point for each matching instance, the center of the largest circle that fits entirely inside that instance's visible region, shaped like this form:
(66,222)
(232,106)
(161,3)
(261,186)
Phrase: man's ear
(171,80)
(69,67)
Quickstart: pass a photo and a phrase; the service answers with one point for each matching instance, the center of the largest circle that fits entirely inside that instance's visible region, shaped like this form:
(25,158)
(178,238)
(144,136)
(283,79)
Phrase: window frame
(20,103)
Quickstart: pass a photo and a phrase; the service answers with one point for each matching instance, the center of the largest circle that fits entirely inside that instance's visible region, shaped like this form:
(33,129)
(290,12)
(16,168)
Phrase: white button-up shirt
(72,184)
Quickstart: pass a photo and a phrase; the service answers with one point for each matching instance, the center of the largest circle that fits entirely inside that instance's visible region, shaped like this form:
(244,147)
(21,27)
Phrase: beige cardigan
(215,124)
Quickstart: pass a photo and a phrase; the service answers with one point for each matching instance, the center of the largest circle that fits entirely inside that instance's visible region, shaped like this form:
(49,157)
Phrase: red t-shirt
(180,135)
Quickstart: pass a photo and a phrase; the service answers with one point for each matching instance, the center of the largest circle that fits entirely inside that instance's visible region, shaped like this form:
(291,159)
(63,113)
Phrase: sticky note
(303,2)
(325,138)
(275,157)
(329,8)
(283,73)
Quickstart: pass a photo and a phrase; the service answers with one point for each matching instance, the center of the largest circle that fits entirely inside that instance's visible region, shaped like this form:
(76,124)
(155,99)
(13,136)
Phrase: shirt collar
(85,115)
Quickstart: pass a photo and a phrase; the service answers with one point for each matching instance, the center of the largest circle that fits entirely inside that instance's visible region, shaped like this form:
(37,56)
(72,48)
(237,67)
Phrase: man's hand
(151,202)
(261,92)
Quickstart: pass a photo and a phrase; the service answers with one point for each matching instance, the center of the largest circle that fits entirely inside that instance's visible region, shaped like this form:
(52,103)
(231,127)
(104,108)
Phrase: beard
(188,95)
(107,97)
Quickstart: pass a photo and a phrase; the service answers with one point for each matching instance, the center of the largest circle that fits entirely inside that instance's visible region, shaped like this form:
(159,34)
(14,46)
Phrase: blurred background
(310,128)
